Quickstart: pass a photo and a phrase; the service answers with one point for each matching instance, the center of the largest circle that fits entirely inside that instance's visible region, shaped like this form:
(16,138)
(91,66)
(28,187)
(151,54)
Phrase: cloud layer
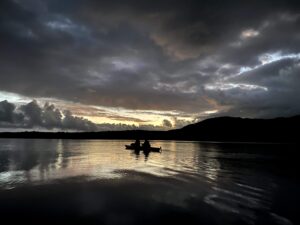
(237,58)
(32,116)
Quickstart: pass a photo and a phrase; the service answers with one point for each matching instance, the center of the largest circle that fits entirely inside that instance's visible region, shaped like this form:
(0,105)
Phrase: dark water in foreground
(98,182)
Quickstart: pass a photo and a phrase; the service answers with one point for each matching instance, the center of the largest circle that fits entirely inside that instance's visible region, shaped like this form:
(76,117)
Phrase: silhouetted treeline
(215,129)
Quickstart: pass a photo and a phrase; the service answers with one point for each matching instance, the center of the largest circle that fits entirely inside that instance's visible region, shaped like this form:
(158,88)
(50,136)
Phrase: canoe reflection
(137,153)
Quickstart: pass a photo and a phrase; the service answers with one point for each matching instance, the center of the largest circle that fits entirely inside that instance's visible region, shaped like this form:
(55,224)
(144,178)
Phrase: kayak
(150,149)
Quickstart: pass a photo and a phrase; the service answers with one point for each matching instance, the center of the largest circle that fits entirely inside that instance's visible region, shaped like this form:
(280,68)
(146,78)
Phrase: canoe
(150,149)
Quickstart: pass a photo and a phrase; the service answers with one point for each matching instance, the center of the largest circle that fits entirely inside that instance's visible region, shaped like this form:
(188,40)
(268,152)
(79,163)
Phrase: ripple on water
(250,203)
(231,178)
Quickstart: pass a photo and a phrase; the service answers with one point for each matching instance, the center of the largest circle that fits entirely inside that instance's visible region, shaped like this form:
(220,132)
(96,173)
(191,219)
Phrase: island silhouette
(219,129)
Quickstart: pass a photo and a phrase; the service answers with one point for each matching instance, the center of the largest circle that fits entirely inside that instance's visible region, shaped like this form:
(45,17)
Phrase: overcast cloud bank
(238,58)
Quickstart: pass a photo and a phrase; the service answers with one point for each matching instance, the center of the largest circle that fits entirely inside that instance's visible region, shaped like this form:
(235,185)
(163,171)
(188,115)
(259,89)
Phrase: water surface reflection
(210,183)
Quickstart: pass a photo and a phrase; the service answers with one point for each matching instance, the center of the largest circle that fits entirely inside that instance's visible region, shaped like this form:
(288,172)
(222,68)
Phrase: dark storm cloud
(279,32)
(147,54)
(8,114)
(32,115)
(271,90)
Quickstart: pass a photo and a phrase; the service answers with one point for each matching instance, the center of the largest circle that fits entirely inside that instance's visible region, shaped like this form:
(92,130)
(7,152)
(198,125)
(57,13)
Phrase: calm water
(99,182)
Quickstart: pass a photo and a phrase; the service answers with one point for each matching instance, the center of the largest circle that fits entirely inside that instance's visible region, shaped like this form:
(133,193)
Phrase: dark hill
(239,129)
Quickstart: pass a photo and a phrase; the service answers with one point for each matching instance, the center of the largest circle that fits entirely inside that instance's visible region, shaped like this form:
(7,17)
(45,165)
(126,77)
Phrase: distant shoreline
(221,129)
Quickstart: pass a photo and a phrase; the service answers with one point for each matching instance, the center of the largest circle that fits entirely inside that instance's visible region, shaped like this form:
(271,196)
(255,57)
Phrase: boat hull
(151,149)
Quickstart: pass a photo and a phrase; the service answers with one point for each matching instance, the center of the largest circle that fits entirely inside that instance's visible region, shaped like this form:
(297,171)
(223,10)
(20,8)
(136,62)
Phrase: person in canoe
(136,144)
(146,144)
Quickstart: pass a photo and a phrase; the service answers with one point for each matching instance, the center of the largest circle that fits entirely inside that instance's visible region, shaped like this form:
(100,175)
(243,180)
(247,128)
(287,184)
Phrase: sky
(87,65)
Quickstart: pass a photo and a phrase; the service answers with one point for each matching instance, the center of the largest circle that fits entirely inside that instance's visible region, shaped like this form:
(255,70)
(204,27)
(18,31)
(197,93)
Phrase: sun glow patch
(249,33)
(105,118)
